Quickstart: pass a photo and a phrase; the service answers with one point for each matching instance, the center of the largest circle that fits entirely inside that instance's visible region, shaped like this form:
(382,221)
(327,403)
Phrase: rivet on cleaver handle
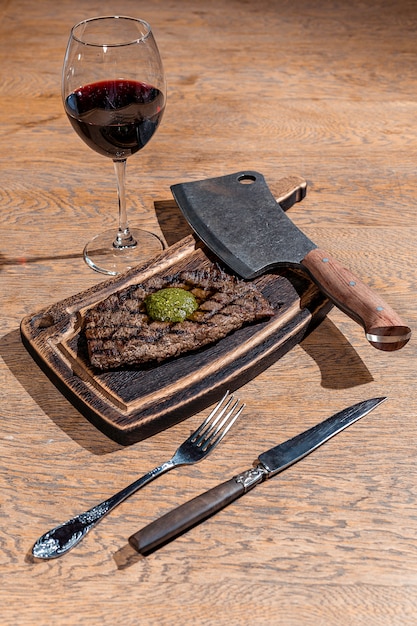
(238,218)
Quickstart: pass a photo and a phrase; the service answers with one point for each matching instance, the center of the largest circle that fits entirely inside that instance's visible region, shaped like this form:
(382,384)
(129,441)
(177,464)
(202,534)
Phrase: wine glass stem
(124,238)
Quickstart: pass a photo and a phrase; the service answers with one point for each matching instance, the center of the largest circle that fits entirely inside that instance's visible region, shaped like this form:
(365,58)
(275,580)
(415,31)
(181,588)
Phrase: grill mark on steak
(120,333)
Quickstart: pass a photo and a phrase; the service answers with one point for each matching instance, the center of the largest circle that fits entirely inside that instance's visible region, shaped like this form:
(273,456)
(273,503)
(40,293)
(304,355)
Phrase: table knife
(268,464)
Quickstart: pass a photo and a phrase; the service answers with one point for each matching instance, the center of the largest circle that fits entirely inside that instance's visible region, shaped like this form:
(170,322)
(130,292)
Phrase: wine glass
(113,89)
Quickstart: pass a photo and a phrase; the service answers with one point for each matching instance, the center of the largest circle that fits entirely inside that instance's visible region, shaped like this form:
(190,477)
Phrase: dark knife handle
(384,329)
(185,516)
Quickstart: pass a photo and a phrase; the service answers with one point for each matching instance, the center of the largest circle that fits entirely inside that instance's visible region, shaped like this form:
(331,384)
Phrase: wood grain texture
(323,90)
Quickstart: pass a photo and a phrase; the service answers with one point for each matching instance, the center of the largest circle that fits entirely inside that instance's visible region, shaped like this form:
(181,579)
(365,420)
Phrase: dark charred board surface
(131,404)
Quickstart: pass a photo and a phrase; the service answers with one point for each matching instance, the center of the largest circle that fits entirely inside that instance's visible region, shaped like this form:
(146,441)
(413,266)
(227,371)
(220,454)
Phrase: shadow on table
(126,557)
(172,223)
(49,399)
(340,365)
(24,260)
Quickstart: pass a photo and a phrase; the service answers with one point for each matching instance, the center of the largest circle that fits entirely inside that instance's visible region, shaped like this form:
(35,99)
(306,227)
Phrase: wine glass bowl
(113,90)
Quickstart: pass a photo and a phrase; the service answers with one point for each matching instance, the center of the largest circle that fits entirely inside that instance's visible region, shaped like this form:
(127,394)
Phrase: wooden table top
(325,91)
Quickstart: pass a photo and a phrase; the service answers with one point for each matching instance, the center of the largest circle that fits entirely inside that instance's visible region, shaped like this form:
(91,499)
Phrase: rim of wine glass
(111,17)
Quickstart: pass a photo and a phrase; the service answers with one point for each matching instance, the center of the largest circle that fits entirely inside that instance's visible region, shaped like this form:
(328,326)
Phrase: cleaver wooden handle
(384,329)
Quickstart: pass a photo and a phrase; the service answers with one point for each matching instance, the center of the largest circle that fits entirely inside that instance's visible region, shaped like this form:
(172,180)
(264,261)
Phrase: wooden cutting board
(131,404)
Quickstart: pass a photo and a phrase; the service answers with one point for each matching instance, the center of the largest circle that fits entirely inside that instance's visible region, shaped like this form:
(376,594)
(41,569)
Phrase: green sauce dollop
(172,304)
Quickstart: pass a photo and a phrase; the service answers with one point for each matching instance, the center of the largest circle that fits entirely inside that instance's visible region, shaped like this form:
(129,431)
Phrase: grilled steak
(119,332)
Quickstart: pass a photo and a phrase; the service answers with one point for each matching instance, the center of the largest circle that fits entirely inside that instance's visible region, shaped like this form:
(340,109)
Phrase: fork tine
(213,428)
(220,432)
(201,431)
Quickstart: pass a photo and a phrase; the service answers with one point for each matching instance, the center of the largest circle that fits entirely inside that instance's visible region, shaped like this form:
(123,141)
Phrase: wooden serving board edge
(47,336)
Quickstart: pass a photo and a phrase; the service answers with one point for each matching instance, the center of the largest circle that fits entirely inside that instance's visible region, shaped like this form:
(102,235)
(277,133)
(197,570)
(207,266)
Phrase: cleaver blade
(237,217)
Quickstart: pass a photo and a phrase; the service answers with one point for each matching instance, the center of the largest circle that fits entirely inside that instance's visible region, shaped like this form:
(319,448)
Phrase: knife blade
(268,464)
(237,217)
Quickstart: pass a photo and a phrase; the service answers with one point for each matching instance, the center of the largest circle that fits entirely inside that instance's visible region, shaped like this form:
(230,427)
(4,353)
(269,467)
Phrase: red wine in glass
(113,90)
(115,118)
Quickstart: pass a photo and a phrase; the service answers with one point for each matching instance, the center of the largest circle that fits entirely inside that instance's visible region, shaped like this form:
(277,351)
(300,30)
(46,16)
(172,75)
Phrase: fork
(208,435)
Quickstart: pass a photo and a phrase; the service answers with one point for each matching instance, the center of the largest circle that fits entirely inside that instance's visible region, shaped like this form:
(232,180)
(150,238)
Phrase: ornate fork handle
(62,538)
(199,444)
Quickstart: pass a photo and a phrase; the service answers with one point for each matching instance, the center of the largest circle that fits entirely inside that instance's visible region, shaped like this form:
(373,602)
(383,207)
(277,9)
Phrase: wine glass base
(103,257)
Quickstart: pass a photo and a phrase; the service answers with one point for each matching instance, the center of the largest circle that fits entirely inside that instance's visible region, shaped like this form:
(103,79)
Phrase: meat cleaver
(237,218)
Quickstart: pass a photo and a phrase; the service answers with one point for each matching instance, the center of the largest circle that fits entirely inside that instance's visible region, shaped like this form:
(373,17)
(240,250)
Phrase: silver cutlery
(268,464)
(208,435)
